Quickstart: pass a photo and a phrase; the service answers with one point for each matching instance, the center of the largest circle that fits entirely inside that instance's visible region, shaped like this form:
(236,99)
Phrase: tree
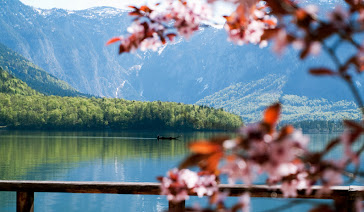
(282,155)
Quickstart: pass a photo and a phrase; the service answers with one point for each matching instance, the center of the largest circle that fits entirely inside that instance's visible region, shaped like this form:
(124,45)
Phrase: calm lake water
(103,156)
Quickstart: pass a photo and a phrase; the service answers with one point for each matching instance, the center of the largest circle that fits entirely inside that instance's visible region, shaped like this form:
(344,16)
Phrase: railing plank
(81,187)
(25,191)
(153,188)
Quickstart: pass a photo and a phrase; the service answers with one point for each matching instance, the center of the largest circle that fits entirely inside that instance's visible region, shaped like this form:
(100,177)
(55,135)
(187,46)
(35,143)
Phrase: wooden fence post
(24,201)
(176,207)
(353,195)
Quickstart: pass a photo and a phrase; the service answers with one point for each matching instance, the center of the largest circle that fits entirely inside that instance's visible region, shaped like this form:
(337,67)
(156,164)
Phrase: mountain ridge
(71,46)
(35,77)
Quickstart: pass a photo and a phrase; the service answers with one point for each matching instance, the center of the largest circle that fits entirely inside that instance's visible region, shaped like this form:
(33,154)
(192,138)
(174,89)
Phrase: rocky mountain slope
(71,46)
(34,76)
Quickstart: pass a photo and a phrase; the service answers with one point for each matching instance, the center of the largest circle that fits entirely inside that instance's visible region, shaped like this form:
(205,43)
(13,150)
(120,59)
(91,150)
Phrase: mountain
(11,85)
(71,46)
(34,76)
(250,99)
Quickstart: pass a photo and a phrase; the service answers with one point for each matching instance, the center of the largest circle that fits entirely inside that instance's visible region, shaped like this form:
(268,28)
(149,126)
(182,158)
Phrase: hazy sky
(81,4)
(219,9)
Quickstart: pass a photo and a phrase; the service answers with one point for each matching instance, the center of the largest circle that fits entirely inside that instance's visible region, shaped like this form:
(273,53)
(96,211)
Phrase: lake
(130,156)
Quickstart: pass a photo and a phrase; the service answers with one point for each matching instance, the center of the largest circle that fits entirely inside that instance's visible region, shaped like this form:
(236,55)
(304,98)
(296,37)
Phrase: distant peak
(10,2)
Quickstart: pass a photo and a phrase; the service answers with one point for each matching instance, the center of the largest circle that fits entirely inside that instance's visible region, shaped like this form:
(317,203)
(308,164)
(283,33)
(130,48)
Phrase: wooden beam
(153,189)
(176,207)
(24,201)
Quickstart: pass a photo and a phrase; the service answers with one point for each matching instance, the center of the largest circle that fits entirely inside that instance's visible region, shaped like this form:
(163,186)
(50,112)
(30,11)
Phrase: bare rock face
(70,44)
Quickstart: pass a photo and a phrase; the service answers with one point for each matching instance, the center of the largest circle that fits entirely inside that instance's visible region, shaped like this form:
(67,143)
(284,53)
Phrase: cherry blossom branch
(259,148)
(345,77)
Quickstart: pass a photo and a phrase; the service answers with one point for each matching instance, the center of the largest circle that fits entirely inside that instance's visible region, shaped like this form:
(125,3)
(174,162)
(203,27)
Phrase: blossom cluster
(151,27)
(261,149)
(179,183)
(242,29)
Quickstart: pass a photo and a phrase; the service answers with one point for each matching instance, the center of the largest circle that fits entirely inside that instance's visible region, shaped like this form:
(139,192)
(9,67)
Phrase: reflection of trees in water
(42,155)
(23,152)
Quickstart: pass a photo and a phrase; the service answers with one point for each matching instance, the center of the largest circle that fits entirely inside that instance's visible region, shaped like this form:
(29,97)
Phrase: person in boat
(166,138)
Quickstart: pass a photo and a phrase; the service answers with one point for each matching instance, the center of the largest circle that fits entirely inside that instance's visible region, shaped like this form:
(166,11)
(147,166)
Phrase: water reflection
(89,156)
(101,156)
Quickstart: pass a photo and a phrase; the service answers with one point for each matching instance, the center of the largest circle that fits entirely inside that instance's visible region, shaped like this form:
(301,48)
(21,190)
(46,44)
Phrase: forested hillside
(54,112)
(250,99)
(318,126)
(11,85)
(34,76)
(24,107)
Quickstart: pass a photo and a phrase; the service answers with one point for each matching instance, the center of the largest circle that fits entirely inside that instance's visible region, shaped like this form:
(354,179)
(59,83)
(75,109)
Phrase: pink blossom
(280,41)
(290,187)
(229,144)
(348,152)
(136,29)
(188,16)
(361,16)
(358,204)
(315,48)
(286,150)
(330,178)
(177,183)
(312,9)
(244,201)
(281,151)
(221,196)
(248,27)
(188,177)
(239,170)
(254,32)
(206,185)
(151,43)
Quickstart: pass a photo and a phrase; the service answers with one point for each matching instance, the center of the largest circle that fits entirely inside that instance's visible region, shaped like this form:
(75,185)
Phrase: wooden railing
(25,191)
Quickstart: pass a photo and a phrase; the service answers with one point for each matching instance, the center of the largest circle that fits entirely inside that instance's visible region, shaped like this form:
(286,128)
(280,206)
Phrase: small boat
(167,138)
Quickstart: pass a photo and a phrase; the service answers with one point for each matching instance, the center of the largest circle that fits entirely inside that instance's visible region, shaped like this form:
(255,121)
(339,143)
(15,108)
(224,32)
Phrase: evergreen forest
(24,108)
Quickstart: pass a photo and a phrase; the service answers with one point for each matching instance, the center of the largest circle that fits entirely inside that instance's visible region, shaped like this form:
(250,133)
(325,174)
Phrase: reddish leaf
(240,10)
(121,49)
(271,114)
(204,147)
(134,7)
(193,160)
(285,131)
(135,13)
(145,9)
(278,7)
(353,125)
(297,161)
(270,22)
(269,33)
(212,163)
(301,14)
(113,40)
(171,36)
(322,72)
